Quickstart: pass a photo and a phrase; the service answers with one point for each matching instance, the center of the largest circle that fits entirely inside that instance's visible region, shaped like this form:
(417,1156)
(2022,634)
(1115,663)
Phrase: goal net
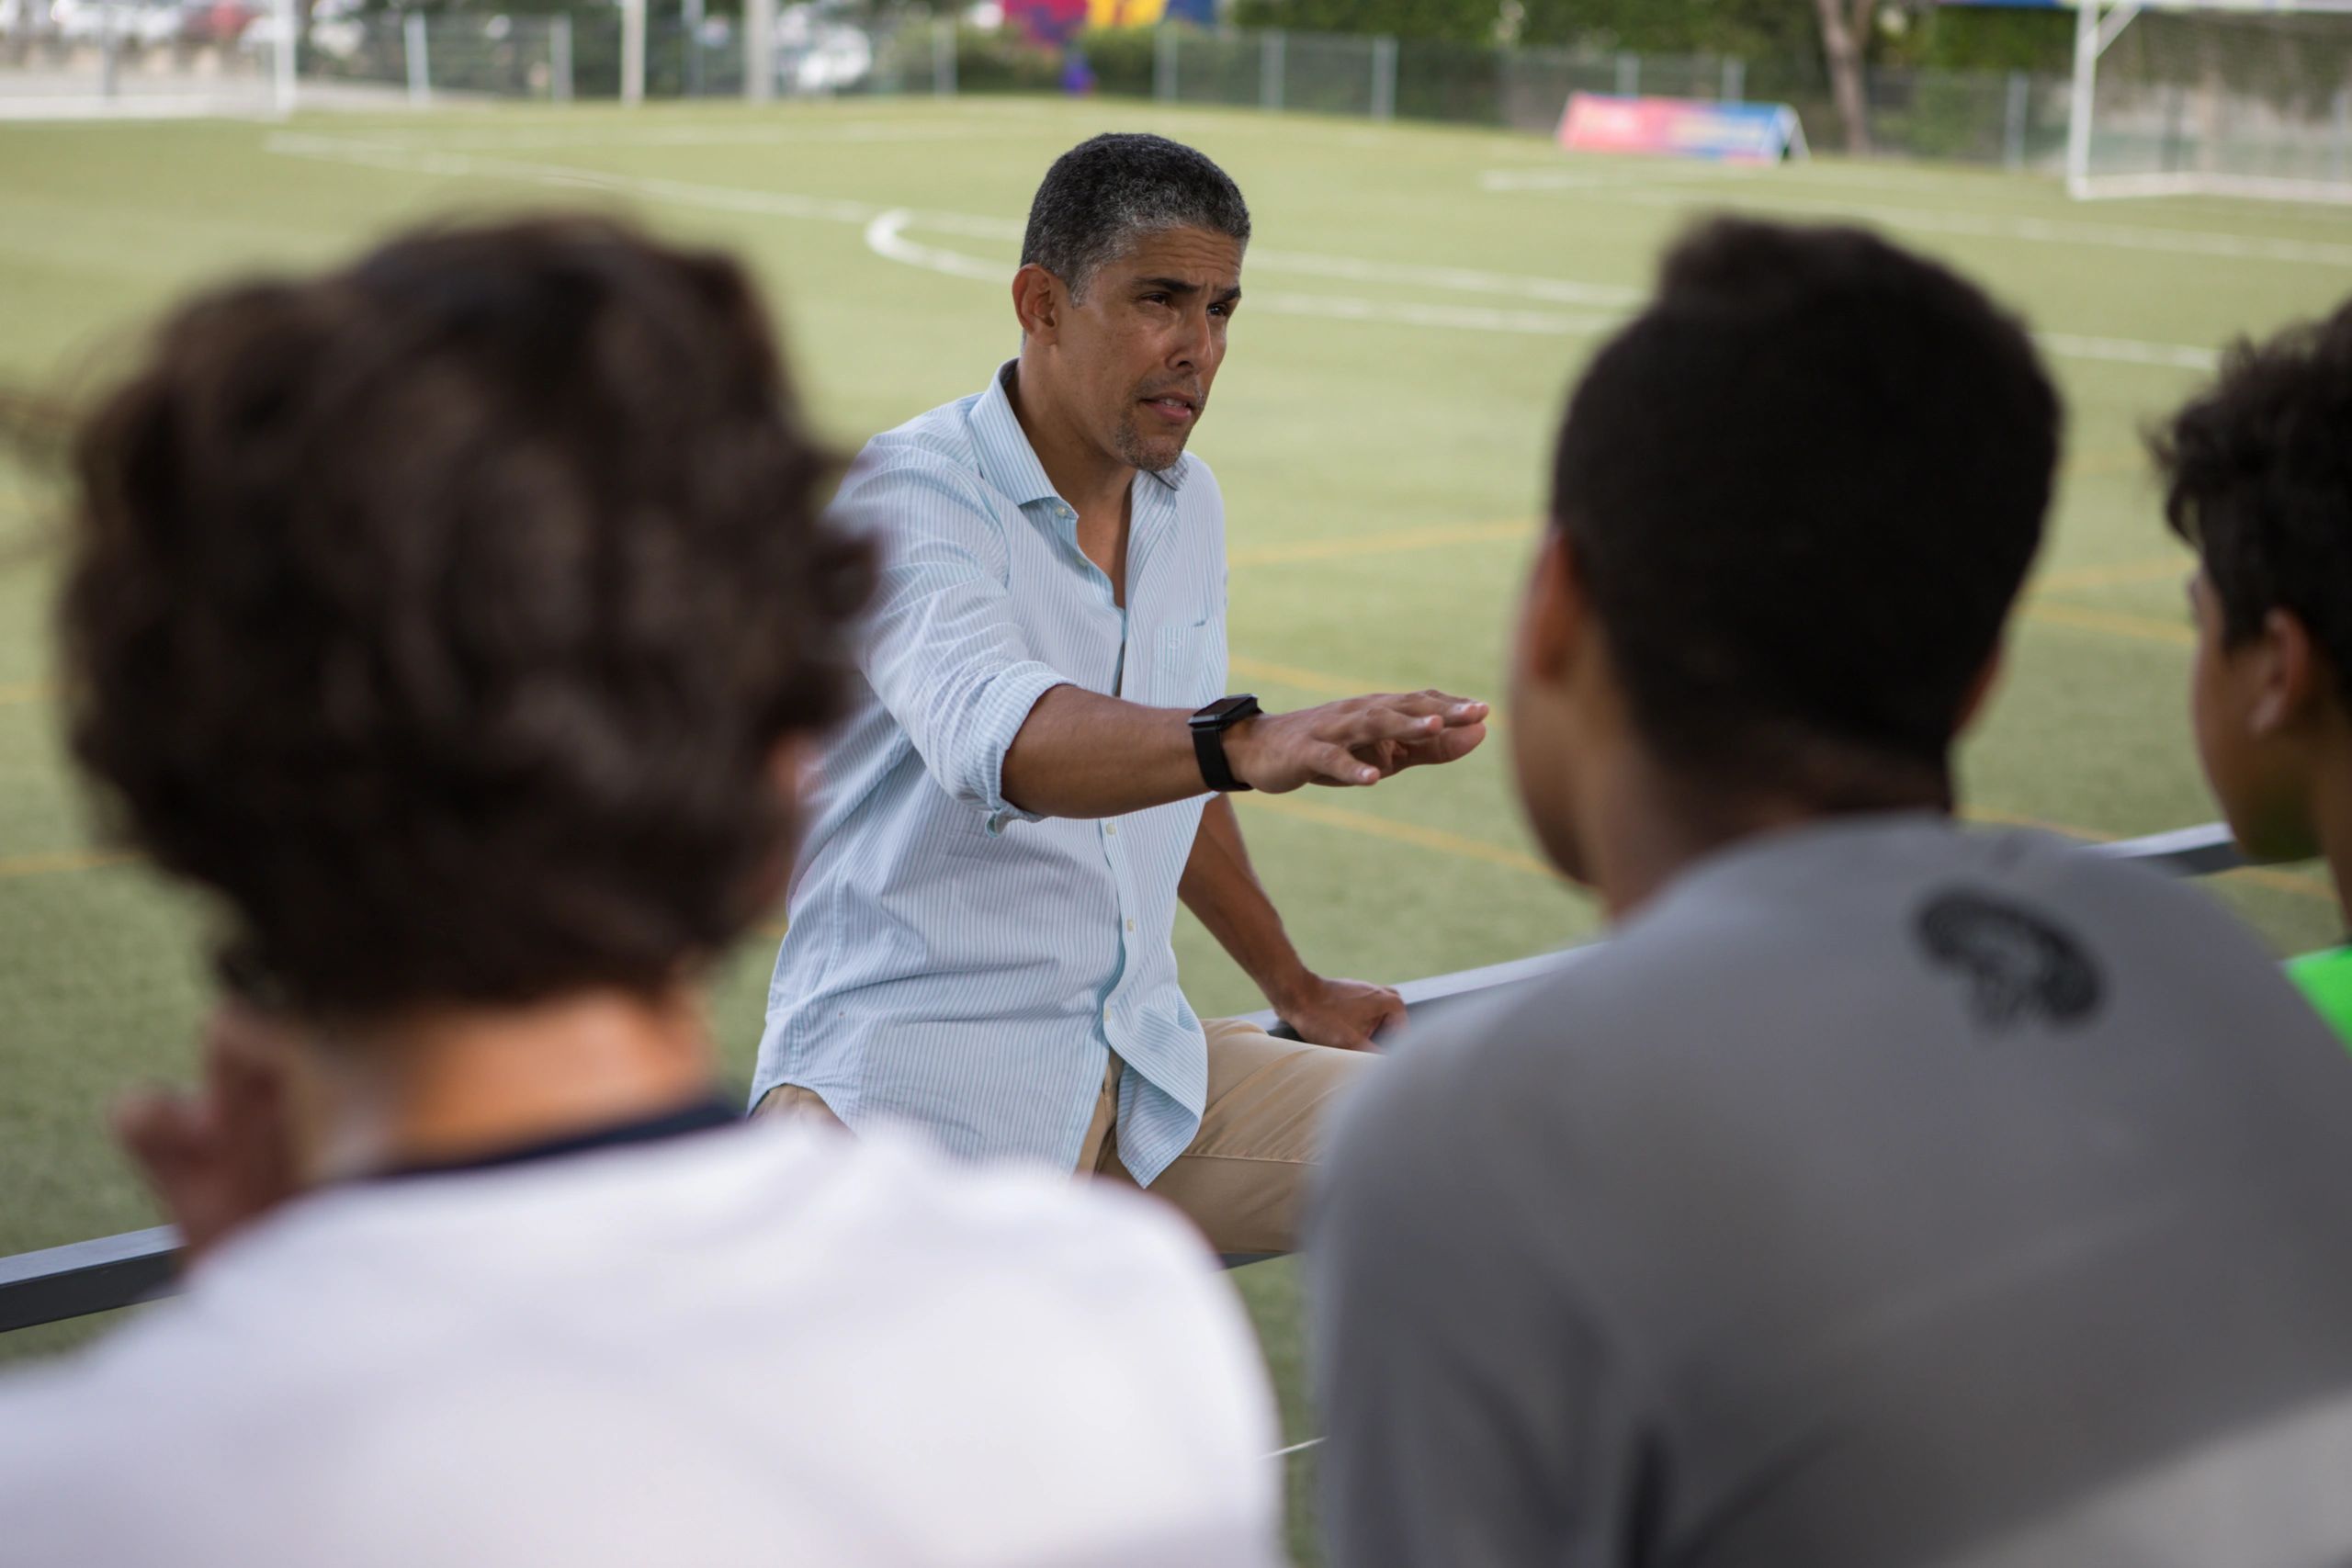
(2216,99)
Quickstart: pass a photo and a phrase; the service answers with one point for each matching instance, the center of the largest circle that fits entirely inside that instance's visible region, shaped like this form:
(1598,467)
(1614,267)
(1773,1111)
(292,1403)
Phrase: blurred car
(814,54)
(216,21)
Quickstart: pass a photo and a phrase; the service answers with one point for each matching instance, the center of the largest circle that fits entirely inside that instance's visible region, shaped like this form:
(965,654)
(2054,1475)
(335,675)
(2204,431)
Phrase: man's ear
(1037,299)
(1552,621)
(1979,690)
(2286,672)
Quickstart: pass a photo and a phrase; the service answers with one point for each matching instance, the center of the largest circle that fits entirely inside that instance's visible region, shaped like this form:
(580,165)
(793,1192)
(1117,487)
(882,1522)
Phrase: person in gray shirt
(1881,1191)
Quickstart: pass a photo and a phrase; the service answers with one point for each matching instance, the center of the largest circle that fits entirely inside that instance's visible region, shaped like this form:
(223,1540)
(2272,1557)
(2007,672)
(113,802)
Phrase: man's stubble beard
(1134,453)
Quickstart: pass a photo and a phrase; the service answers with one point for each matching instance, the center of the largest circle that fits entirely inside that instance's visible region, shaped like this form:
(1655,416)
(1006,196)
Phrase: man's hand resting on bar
(1360,740)
(1345,1014)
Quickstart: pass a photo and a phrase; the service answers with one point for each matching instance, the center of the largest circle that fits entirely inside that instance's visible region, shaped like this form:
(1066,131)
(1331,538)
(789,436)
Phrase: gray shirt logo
(2018,965)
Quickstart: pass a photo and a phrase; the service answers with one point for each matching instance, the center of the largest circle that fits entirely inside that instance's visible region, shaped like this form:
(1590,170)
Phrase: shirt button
(1112,829)
(1131,925)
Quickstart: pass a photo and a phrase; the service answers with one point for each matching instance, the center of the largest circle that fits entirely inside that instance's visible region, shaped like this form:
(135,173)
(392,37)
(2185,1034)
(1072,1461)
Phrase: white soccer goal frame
(2097,24)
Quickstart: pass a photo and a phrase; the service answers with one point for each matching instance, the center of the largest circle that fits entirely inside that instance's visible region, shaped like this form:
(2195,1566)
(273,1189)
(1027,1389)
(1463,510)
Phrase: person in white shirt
(458,623)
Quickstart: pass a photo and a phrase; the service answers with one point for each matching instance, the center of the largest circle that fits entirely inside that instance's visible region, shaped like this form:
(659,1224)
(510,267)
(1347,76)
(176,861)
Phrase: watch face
(1223,709)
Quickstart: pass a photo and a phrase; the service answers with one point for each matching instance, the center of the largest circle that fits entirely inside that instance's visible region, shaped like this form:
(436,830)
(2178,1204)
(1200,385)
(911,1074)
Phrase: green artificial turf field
(1417,299)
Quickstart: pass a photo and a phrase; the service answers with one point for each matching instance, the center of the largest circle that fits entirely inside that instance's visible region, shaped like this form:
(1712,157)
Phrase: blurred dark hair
(443,614)
(2257,472)
(1803,490)
(1104,193)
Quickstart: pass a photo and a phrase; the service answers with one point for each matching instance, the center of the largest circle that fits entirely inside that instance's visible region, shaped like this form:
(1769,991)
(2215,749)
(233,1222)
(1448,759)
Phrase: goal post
(2214,98)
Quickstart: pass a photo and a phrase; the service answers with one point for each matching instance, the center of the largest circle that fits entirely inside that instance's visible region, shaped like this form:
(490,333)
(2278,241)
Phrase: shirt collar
(702,1115)
(1008,460)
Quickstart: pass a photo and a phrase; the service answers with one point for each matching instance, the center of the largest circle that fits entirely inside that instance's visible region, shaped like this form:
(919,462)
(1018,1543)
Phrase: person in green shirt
(2257,474)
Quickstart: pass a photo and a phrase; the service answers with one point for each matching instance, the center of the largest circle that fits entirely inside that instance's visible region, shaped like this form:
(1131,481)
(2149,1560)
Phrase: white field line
(2125,350)
(564,176)
(2039,231)
(1294,1448)
(885,235)
(136,109)
(1460,280)
(1466,318)
(1645,172)
(1355,269)
(553,139)
(1590,178)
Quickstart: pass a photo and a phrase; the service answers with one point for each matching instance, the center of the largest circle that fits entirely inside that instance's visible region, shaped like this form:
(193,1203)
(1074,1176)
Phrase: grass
(1379,432)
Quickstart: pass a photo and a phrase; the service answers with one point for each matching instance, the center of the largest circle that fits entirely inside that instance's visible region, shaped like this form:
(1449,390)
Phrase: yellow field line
(1461,848)
(2106,462)
(1290,675)
(1435,839)
(1379,544)
(2147,628)
(2154,568)
(61,860)
(1456,844)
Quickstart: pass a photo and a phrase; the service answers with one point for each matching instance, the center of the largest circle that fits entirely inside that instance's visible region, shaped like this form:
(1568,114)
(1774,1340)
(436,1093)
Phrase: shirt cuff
(1004,707)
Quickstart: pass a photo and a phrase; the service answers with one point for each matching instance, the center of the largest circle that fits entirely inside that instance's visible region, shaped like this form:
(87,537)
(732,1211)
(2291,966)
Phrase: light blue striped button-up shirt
(953,960)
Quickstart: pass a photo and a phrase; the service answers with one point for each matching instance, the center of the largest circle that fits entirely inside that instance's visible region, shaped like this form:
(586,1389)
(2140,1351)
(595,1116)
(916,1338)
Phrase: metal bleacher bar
(121,1270)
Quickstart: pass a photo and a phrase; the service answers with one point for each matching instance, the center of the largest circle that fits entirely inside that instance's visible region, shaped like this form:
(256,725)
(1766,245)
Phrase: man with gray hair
(1035,766)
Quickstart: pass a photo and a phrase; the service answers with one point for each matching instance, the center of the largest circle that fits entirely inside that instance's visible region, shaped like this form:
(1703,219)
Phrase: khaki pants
(1243,1177)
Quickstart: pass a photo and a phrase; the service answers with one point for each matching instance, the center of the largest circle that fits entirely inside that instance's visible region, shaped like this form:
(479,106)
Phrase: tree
(1844,36)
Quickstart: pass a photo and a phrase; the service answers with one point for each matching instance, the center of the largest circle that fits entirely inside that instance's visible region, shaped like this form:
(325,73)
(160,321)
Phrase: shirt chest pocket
(1189,668)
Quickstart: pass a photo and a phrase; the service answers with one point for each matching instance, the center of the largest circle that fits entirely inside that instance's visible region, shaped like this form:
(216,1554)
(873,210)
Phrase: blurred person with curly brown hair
(459,623)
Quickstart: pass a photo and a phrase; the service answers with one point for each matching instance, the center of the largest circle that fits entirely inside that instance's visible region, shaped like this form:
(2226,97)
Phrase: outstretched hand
(1357,741)
(224,1156)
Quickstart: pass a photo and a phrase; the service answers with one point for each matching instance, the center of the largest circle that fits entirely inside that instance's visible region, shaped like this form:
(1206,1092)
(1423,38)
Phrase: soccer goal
(2227,97)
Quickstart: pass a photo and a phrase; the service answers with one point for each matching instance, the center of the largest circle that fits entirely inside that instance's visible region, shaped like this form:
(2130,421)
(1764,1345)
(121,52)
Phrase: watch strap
(1208,727)
(1208,746)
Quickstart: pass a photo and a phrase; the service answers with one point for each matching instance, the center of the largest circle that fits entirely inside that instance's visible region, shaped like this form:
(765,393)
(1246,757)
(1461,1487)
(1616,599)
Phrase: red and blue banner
(1684,128)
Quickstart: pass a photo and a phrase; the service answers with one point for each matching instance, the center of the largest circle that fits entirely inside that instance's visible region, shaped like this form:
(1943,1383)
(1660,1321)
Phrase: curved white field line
(885,235)
(1356,269)
(1754,196)
(553,139)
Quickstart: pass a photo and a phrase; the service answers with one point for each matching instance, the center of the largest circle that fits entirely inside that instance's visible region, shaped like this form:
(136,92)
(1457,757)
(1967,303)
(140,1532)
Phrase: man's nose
(1194,343)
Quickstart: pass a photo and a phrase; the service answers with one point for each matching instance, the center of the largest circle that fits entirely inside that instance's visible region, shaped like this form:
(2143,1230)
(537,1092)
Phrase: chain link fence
(133,57)
(2013,119)
(68,56)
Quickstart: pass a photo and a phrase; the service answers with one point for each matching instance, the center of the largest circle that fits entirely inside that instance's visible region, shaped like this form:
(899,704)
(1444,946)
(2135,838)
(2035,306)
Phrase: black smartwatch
(1209,726)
